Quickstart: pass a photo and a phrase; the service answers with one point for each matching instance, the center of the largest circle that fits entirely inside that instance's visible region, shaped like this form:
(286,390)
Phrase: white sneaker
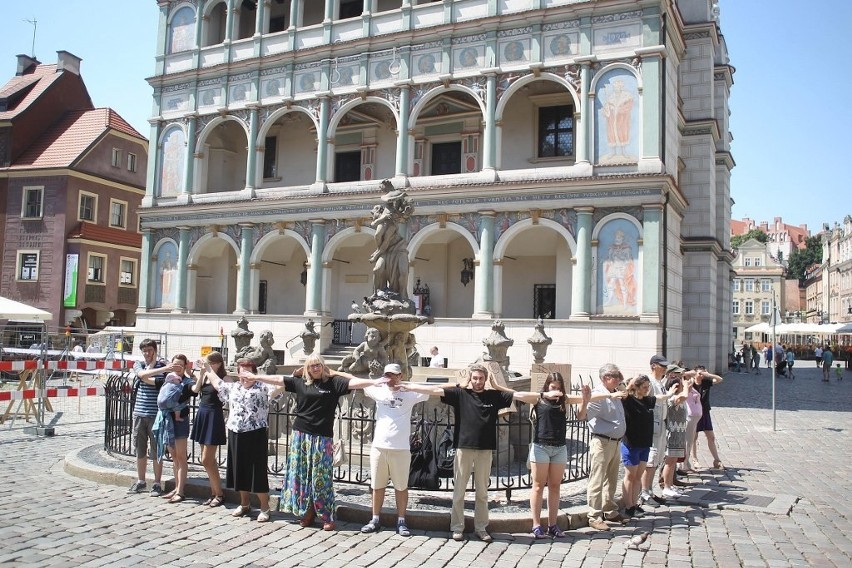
(671,493)
(644,496)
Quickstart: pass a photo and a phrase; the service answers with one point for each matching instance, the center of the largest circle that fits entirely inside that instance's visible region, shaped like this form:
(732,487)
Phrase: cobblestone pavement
(49,518)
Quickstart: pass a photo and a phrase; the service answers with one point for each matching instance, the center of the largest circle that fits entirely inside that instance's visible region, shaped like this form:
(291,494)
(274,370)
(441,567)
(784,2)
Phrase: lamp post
(773,321)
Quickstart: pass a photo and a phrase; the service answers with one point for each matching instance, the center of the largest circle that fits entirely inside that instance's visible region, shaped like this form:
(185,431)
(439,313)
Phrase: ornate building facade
(566,159)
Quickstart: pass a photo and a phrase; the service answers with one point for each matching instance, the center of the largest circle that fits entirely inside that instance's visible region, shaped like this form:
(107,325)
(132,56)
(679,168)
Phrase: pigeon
(636,541)
(356,309)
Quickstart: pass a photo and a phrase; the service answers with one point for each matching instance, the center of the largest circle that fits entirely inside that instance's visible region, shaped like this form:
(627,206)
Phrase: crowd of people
(650,424)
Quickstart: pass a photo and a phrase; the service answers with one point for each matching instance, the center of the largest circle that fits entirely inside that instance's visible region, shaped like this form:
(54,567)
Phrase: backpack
(423,472)
(446,453)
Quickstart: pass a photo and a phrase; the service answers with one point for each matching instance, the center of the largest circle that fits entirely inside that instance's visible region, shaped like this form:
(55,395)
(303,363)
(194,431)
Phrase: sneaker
(402,530)
(555,531)
(137,487)
(371,527)
(680,473)
(264,516)
(156,490)
(658,500)
(678,483)
(644,496)
(636,512)
(598,525)
(483,536)
(671,493)
(458,537)
(538,532)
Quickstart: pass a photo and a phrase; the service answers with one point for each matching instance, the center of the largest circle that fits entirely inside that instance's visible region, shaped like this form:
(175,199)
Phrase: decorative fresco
(182,30)
(172,158)
(617,268)
(617,110)
(165,280)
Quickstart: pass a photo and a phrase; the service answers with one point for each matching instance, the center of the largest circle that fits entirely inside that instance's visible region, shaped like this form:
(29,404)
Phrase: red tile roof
(70,137)
(42,75)
(109,235)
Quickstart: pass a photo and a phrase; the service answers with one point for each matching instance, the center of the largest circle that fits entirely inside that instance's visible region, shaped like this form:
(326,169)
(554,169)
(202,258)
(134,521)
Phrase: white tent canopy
(801,328)
(16,311)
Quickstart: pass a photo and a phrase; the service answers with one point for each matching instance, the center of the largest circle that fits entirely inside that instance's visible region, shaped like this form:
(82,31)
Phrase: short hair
(608,369)
(146,343)
(244,362)
(477,368)
(183,358)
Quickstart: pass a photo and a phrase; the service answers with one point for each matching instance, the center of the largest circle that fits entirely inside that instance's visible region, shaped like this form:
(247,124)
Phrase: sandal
(169,495)
(241,511)
(177,498)
(309,517)
(718,465)
(206,502)
(216,501)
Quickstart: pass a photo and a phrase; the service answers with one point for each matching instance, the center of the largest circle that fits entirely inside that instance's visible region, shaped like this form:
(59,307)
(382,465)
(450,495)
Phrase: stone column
(144,269)
(313,302)
(402,129)
(489,145)
(583,138)
(182,272)
(229,22)
(322,143)
(251,161)
(189,160)
(651,239)
(244,278)
(581,281)
(484,280)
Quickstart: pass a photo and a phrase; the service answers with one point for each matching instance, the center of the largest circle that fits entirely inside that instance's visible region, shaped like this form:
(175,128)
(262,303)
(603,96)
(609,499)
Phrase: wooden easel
(25,382)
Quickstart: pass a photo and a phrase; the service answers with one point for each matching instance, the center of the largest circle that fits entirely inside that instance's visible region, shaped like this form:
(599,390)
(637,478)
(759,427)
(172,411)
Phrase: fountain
(389,311)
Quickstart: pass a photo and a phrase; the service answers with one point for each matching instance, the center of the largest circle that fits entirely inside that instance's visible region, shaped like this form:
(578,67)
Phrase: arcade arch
(277,263)
(213,271)
(347,272)
(363,147)
(223,166)
(437,257)
(289,140)
(533,268)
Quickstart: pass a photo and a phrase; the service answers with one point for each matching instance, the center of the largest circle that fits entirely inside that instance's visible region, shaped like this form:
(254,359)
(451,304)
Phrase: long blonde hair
(313,359)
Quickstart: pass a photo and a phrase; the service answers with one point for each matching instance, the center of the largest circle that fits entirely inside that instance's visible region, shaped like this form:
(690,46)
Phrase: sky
(790,114)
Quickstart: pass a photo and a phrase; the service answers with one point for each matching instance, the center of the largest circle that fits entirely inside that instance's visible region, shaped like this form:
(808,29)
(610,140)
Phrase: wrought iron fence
(355,425)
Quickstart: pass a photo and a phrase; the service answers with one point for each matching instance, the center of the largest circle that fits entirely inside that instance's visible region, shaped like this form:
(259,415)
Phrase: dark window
(446,158)
(347,166)
(261,297)
(544,301)
(87,207)
(32,203)
(278,24)
(28,266)
(270,155)
(555,131)
(351,8)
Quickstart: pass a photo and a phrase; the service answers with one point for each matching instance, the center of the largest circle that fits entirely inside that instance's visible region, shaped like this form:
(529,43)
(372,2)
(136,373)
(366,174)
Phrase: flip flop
(177,498)
(206,503)
(217,500)
(169,495)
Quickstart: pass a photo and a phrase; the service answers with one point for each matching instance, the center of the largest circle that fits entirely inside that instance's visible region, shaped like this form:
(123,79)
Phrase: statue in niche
(369,357)
(242,337)
(309,337)
(498,344)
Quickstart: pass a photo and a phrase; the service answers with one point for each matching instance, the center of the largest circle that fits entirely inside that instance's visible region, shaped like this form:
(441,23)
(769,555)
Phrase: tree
(800,259)
(755,234)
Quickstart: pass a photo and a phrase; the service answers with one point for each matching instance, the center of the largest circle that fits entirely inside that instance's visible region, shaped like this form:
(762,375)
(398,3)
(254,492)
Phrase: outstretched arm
(424,388)
(533,397)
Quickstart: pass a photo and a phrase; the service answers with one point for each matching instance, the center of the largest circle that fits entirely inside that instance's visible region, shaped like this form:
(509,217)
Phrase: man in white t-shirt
(437,362)
(390,455)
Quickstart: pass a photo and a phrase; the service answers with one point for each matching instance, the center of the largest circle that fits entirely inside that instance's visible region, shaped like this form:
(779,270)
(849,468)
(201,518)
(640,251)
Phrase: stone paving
(781,501)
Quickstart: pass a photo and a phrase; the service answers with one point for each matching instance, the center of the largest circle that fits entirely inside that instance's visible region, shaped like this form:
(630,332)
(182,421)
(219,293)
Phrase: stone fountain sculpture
(242,337)
(388,312)
(539,342)
(309,337)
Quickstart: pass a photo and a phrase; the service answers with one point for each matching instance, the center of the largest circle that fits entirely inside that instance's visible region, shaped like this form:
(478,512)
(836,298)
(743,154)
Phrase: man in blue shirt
(150,374)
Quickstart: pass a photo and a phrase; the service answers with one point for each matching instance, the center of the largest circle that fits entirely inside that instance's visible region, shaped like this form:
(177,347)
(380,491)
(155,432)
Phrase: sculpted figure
(369,357)
(390,259)
(309,337)
(262,355)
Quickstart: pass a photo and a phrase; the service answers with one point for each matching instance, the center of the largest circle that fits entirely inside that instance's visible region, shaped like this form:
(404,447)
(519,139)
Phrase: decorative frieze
(609,18)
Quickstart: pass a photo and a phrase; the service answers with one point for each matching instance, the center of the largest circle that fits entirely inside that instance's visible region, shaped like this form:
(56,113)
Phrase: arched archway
(289,140)
(223,166)
(277,262)
(617,274)
(437,256)
(215,20)
(347,274)
(213,272)
(533,267)
(181,34)
(364,141)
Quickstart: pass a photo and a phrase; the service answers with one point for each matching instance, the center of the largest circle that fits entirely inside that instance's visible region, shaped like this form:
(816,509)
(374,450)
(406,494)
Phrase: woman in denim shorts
(548,450)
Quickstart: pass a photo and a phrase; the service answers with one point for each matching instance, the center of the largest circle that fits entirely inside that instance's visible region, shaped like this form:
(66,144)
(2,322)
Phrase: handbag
(423,471)
(338,455)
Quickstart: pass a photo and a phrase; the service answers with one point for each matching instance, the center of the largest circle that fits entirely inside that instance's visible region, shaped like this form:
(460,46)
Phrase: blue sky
(790,117)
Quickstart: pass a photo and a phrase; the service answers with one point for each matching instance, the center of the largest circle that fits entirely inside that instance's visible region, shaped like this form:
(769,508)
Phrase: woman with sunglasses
(308,490)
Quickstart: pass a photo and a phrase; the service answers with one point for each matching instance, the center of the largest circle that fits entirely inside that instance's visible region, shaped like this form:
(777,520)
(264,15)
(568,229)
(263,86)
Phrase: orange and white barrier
(29,394)
(66,365)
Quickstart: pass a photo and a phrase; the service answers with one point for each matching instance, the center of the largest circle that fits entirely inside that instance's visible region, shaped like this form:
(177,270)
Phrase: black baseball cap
(660,360)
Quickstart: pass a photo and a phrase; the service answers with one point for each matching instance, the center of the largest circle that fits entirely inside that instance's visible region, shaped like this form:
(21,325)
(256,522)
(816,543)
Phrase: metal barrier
(354,425)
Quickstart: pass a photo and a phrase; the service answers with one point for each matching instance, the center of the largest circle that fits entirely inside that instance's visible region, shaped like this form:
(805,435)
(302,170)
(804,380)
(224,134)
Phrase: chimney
(66,61)
(24,64)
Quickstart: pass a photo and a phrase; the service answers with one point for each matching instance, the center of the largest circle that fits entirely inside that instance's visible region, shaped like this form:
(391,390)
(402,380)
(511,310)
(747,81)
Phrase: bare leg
(245,499)
(178,453)
(378,500)
(264,500)
(401,503)
(539,477)
(208,460)
(554,484)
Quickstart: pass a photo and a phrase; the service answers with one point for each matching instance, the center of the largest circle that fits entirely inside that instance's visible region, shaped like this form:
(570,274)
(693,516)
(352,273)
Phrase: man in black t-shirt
(474,439)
